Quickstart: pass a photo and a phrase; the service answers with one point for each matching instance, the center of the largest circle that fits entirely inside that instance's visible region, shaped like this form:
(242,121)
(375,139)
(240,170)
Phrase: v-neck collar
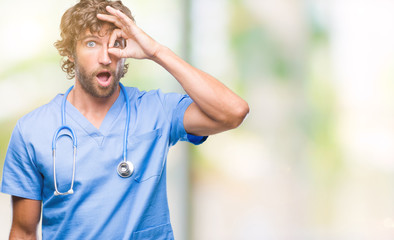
(97,134)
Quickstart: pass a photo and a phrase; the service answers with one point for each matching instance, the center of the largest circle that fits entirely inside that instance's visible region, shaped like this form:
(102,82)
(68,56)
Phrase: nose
(104,57)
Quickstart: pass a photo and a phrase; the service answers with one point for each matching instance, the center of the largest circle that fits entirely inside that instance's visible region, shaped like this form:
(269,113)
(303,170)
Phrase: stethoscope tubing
(125,168)
(126,130)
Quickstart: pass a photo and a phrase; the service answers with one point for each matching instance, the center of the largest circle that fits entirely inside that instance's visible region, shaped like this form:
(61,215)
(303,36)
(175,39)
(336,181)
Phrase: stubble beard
(90,85)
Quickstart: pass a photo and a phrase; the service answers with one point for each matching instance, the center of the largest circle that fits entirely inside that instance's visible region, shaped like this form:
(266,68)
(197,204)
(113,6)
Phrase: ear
(71,58)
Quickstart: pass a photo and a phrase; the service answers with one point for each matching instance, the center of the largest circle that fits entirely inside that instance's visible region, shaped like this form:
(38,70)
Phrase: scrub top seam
(162,109)
(114,113)
(71,115)
(82,126)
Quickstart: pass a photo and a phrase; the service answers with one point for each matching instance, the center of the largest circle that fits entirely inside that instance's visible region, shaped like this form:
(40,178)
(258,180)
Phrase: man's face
(97,71)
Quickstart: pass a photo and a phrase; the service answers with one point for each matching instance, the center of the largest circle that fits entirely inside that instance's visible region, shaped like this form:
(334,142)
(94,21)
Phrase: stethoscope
(125,168)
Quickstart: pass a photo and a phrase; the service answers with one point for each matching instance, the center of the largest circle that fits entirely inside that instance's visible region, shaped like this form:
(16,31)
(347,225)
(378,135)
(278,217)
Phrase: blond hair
(76,20)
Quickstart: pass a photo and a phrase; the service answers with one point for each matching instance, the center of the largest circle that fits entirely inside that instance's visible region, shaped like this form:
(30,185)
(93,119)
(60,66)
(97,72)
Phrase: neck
(92,108)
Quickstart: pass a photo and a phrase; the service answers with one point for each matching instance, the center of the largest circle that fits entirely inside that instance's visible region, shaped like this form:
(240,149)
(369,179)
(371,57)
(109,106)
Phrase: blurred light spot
(287,169)
(388,223)
(20,40)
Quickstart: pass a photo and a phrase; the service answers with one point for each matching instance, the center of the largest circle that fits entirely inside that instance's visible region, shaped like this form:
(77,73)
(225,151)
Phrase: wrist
(160,53)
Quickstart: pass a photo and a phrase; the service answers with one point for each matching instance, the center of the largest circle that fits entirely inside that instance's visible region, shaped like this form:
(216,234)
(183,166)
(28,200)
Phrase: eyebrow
(88,36)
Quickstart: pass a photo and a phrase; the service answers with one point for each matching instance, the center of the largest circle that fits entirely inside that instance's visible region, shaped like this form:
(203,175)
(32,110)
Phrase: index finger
(123,18)
(109,18)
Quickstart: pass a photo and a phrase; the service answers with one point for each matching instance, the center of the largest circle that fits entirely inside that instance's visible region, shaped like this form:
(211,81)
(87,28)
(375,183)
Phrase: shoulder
(40,116)
(139,97)
(151,96)
(135,93)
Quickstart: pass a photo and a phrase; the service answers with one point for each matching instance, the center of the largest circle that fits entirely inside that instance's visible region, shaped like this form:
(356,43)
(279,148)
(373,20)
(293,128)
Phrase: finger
(115,35)
(116,12)
(123,18)
(117,52)
(106,17)
(109,18)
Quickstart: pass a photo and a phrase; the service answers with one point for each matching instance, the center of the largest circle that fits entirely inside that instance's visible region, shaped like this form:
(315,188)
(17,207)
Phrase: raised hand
(139,45)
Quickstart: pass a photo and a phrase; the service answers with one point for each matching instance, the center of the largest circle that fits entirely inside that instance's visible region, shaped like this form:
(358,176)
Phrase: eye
(91,44)
(117,43)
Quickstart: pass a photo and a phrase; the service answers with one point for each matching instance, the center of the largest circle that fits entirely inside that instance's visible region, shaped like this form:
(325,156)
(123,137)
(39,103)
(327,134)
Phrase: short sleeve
(20,175)
(196,140)
(175,105)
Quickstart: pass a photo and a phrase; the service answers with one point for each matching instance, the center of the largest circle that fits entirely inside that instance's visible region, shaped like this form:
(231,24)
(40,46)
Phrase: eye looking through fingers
(116,39)
(116,44)
(119,43)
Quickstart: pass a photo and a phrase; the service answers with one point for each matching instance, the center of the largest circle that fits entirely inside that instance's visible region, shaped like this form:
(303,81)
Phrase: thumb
(117,52)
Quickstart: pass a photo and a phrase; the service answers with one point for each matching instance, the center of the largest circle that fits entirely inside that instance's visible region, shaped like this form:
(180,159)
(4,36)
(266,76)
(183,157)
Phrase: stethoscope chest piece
(125,169)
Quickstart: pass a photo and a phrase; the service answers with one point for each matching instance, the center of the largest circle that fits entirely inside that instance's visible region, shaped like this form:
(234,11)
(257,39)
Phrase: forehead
(105,30)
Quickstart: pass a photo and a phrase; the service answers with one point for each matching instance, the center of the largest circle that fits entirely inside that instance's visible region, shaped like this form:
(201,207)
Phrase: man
(90,200)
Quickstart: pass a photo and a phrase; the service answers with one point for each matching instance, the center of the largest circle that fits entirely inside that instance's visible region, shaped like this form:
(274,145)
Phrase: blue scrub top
(104,205)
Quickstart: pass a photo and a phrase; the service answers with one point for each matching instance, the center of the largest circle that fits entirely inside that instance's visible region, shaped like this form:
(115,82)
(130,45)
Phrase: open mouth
(104,78)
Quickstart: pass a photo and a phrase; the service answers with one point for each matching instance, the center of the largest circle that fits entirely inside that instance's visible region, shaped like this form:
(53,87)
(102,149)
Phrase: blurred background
(315,157)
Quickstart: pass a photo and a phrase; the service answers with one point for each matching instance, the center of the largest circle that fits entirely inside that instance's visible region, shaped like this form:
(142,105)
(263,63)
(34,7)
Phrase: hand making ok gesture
(139,45)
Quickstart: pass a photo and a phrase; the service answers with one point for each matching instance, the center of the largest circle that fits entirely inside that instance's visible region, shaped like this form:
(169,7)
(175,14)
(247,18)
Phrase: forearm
(25,218)
(214,101)
(212,97)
